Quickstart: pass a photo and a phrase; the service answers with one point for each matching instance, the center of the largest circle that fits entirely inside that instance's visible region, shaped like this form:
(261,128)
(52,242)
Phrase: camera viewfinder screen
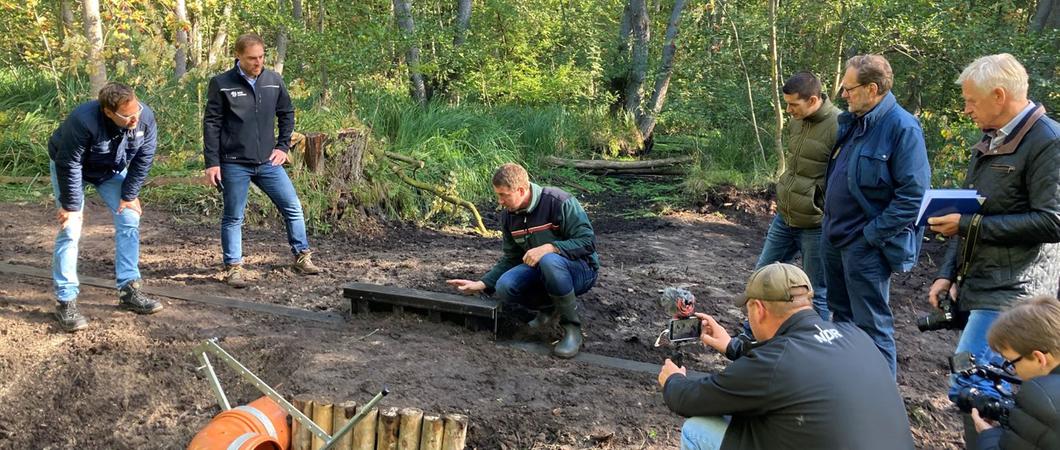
(684,329)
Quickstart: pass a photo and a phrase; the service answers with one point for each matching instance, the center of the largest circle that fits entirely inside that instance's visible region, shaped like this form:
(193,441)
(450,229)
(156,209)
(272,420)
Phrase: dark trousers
(859,284)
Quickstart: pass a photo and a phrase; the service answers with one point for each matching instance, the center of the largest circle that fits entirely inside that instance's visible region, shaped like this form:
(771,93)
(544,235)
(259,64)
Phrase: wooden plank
(598,360)
(190,294)
(415,298)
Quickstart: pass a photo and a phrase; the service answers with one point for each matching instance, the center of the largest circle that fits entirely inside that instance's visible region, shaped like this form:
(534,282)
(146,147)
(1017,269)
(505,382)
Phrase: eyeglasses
(846,90)
(134,115)
(1010,365)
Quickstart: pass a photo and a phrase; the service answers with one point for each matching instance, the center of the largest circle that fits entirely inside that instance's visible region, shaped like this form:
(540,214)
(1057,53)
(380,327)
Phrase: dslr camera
(991,406)
(946,317)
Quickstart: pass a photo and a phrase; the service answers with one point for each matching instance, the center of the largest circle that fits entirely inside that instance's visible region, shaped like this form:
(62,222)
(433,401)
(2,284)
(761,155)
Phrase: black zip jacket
(239,124)
(814,385)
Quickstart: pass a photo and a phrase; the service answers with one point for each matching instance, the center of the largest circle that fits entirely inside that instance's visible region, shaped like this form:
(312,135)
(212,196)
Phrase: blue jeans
(703,433)
(973,340)
(783,243)
(859,278)
(272,180)
(126,241)
(554,276)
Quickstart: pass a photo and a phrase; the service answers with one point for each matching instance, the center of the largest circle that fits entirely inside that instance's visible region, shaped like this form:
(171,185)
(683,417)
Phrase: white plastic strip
(261,418)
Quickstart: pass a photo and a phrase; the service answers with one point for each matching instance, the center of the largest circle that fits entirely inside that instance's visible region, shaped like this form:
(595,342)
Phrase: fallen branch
(600,164)
(442,194)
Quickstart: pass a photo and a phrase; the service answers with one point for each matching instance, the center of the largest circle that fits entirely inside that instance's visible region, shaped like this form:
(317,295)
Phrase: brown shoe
(235,276)
(303,264)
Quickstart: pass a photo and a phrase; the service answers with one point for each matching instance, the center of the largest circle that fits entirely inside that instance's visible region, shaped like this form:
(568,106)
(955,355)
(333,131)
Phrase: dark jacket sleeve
(142,159)
(211,125)
(948,267)
(1042,223)
(284,117)
(511,256)
(74,140)
(912,176)
(578,237)
(745,387)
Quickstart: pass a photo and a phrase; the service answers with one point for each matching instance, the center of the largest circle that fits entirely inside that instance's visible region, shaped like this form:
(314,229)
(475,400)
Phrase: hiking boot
(70,319)
(234,276)
(543,319)
(133,299)
(303,264)
(571,343)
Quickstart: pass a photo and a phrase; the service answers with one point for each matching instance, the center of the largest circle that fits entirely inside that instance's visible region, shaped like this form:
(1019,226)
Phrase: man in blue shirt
(877,175)
(110,144)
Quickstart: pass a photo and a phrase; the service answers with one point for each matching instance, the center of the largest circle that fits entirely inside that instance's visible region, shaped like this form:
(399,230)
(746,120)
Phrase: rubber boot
(567,309)
(544,319)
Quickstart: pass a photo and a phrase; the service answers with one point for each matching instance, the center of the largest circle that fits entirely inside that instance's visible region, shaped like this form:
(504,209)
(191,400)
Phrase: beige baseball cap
(773,283)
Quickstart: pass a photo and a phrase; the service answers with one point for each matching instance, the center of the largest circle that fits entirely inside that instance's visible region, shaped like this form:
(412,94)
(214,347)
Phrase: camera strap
(968,245)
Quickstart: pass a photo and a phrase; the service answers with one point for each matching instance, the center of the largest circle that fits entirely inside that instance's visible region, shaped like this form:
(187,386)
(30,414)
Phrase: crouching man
(549,255)
(806,383)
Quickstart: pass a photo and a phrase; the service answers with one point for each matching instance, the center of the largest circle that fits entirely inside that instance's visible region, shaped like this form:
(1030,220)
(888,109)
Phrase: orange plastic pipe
(260,425)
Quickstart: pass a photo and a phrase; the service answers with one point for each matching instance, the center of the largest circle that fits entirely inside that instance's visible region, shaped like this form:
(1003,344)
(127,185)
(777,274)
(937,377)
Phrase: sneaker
(70,319)
(235,276)
(133,299)
(303,264)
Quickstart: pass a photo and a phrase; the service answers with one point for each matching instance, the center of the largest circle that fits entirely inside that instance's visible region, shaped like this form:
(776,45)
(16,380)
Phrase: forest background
(441,92)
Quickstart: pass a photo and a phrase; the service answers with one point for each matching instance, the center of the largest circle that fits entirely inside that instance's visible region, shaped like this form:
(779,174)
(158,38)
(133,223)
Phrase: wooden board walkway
(364,296)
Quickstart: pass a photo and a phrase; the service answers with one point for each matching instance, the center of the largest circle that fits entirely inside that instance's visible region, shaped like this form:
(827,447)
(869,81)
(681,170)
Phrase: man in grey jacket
(1007,251)
(807,383)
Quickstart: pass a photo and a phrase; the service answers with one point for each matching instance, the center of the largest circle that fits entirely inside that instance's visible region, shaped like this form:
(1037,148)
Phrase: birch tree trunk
(97,67)
(67,14)
(180,57)
(639,66)
(403,14)
(617,84)
(463,20)
(217,47)
(195,55)
(662,80)
(282,37)
(778,111)
(325,90)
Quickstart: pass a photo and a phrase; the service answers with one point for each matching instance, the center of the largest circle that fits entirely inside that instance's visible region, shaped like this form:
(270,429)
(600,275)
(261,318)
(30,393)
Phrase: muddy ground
(131,382)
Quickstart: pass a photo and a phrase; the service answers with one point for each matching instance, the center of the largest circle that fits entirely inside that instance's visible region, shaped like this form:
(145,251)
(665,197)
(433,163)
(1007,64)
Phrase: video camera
(946,317)
(990,407)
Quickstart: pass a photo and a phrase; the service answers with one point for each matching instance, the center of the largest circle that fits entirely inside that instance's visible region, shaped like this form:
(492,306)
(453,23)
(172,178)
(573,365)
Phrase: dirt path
(131,382)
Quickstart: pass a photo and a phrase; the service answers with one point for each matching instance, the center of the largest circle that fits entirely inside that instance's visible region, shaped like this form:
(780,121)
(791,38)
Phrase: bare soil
(131,382)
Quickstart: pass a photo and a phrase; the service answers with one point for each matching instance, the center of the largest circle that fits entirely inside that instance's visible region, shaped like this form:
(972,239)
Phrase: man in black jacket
(1028,337)
(1009,250)
(110,144)
(807,383)
(240,146)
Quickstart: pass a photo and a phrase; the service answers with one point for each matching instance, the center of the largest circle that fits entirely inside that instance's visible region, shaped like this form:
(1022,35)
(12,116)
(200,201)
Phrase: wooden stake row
(386,429)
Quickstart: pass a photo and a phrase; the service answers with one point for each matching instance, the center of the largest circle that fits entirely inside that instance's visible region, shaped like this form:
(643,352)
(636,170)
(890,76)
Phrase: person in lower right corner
(807,383)
(1028,338)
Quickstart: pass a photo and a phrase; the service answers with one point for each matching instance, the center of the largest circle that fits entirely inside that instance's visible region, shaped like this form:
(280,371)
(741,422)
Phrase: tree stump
(409,430)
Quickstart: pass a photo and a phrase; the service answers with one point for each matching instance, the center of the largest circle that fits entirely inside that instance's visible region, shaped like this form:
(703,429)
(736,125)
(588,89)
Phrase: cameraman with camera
(805,383)
(1008,250)
(1028,337)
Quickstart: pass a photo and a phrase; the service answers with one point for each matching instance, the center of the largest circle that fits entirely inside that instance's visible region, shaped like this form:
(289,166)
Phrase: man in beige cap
(805,383)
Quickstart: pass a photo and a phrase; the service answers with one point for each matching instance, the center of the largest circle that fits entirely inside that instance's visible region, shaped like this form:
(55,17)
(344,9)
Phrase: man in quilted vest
(800,190)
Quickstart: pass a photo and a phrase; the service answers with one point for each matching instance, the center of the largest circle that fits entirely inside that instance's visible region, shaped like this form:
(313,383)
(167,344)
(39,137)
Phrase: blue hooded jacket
(89,147)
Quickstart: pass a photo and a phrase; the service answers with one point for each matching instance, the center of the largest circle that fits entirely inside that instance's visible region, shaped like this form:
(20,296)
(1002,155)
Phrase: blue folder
(940,202)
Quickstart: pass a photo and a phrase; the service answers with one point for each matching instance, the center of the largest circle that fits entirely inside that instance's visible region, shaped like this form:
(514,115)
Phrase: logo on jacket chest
(237,94)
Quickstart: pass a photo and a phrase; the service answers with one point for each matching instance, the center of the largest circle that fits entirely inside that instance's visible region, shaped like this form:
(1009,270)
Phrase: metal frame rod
(212,347)
(356,418)
(215,384)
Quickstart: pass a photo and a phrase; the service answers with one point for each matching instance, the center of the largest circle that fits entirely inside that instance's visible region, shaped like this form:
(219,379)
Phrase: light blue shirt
(251,80)
(999,137)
